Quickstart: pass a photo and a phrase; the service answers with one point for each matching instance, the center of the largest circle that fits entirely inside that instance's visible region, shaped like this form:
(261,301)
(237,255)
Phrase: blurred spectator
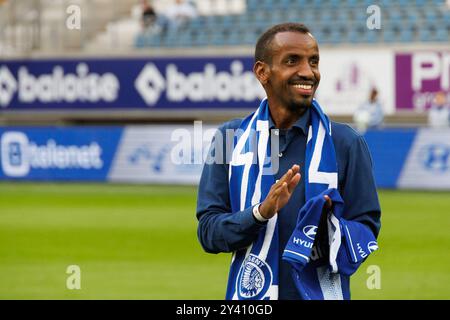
(148,15)
(182,11)
(178,14)
(370,114)
(439,113)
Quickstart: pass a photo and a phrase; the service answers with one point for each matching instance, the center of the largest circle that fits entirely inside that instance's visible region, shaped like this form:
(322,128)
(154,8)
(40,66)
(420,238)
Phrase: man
(370,114)
(237,208)
(148,16)
(179,13)
(439,113)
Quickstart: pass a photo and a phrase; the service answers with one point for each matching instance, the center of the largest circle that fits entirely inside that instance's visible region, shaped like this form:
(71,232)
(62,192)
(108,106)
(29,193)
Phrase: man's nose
(305,70)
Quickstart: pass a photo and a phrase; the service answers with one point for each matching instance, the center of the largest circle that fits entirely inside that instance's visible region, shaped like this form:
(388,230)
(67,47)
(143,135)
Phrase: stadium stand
(28,25)
(403,21)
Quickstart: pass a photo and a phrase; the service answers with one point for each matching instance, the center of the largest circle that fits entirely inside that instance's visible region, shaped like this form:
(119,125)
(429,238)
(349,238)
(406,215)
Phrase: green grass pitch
(140,242)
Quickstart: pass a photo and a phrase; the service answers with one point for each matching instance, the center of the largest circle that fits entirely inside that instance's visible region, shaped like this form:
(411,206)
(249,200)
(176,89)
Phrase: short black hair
(264,43)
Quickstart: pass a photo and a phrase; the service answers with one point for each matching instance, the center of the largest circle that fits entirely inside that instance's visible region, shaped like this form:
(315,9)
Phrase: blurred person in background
(149,16)
(439,112)
(370,114)
(177,15)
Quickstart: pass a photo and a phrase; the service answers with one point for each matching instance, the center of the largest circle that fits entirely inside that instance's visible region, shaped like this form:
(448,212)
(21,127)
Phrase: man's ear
(262,71)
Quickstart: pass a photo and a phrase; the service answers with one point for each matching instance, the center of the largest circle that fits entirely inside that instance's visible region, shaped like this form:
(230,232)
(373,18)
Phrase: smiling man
(289,225)
(287,65)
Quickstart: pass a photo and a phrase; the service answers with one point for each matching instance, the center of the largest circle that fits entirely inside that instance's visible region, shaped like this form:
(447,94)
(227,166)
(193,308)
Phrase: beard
(299,107)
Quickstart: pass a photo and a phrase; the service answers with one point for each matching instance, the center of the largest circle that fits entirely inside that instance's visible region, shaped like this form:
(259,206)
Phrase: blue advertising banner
(50,153)
(389,149)
(159,83)
(174,154)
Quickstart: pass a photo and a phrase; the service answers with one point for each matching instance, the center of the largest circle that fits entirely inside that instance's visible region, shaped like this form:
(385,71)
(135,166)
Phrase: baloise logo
(57,86)
(8,86)
(435,157)
(207,85)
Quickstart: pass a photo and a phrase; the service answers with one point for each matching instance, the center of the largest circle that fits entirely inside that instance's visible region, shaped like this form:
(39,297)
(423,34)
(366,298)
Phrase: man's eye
(290,61)
(314,62)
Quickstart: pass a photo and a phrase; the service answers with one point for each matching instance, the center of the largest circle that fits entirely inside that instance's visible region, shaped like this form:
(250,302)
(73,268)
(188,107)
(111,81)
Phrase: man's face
(440,99)
(294,72)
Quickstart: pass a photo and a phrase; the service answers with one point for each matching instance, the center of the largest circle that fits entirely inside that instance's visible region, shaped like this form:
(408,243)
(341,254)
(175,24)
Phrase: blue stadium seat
(426,33)
(353,36)
(217,38)
(327,16)
(446,15)
(294,16)
(336,4)
(346,3)
(252,4)
(229,21)
(386,3)
(285,4)
(389,36)
(365,3)
(301,3)
(235,38)
(406,24)
(335,36)
(420,3)
(404,3)
(406,35)
(317,3)
(430,15)
(395,14)
(392,25)
(260,16)
(196,23)
(372,36)
(242,20)
(249,37)
(359,14)
(442,35)
(412,15)
(277,16)
(139,41)
(154,41)
(202,39)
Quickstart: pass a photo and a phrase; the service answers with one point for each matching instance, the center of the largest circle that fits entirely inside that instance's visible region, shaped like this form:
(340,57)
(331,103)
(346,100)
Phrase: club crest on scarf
(255,277)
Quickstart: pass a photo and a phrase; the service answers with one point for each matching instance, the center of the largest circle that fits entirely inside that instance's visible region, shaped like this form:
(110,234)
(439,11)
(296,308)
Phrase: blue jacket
(219,230)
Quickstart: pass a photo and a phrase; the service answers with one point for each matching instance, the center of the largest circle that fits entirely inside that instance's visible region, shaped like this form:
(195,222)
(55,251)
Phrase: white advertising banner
(347,77)
(166,154)
(428,163)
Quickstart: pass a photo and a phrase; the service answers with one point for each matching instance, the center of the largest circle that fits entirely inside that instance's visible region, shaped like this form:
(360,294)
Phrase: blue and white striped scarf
(254,270)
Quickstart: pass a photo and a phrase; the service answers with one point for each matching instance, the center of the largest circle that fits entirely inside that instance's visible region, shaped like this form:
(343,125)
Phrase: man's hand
(280,193)
(328,204)
(322,230)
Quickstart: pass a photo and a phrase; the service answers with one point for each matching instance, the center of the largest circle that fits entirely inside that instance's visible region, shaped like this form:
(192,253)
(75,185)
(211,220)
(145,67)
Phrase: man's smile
(305,89)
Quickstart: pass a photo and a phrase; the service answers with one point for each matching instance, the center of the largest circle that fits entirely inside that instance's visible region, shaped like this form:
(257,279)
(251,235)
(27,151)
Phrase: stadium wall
(174,154)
